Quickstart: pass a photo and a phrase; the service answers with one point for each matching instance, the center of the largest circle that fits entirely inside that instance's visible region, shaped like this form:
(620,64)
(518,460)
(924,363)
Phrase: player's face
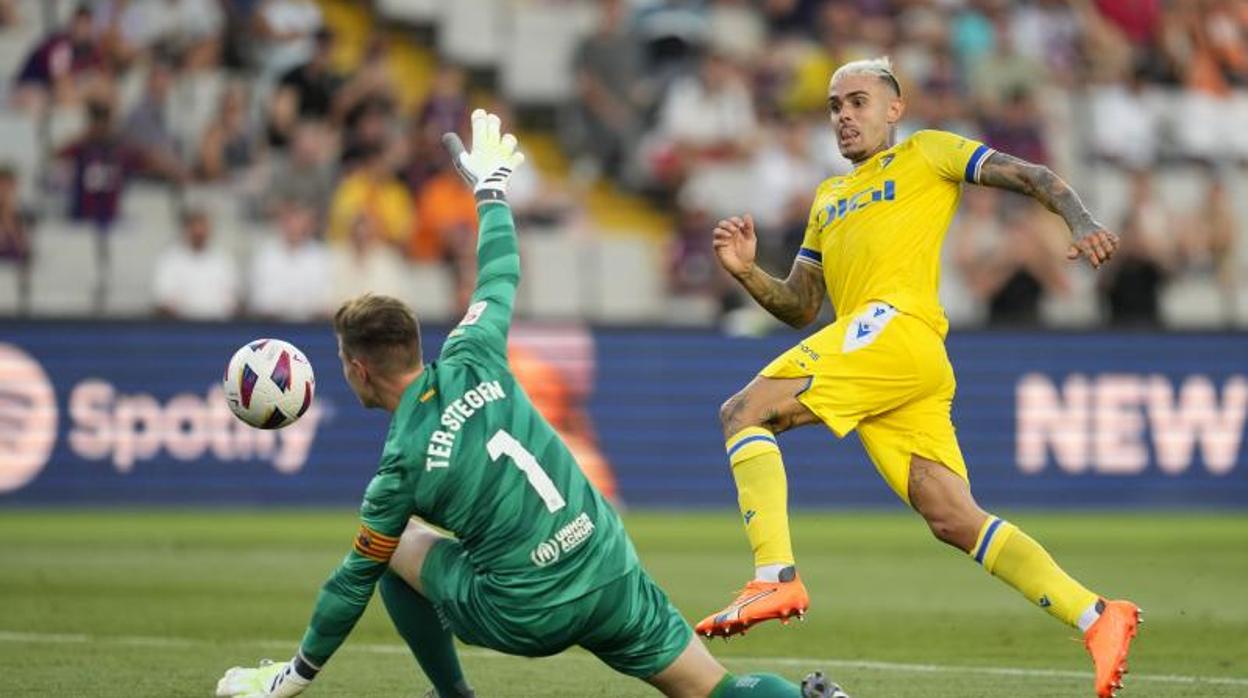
(863,110)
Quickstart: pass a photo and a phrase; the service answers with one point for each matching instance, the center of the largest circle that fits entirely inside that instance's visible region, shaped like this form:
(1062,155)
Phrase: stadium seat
(135,246)
(222,203)
(691,310)
(628,283)
(151,202)
(30,22)
(1237,113)
(430,290)
(1108,191)
(1080,307)
(194,105)
(961,307)
(553,286)
(19,134)
(8,289)
(130,86)
(1181,188)
(409,11)
(1239,305)
(14,47)
(65,124)
(64,272)
(471,31)
(1194,302)
(539,48)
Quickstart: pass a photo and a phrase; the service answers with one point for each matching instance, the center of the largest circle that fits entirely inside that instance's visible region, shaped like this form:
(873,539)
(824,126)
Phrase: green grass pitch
(161,603)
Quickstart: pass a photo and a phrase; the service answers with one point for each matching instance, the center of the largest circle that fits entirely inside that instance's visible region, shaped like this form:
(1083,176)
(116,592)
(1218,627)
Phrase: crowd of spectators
(718,108)
(706,107)
(325,152)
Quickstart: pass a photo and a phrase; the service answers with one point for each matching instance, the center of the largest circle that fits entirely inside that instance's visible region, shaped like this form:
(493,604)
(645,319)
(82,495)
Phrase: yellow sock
(762,493)
(1018,560)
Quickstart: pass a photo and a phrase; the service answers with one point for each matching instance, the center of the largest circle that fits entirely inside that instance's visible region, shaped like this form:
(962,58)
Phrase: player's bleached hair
(880,67)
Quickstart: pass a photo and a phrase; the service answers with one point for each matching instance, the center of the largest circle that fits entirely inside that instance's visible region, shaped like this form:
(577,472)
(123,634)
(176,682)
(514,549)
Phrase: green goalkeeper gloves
(269,680)
(492,160)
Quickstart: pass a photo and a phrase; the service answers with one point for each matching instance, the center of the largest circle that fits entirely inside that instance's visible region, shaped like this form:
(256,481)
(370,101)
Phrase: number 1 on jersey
(504,444)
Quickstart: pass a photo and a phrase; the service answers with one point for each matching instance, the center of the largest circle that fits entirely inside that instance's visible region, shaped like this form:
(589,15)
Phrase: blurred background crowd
(210,159)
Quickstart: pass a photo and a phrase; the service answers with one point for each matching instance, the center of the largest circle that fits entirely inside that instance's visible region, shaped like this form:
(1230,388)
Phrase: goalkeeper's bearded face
(864,109)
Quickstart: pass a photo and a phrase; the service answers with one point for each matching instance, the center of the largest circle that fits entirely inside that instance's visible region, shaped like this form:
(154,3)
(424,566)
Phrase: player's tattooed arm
(1089,238)
(794,300)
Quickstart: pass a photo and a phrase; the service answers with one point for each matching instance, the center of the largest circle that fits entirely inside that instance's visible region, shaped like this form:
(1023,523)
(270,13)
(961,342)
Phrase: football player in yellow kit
(872,244)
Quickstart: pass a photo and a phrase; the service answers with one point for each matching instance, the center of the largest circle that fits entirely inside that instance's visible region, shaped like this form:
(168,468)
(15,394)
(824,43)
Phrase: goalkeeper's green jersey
(468,452)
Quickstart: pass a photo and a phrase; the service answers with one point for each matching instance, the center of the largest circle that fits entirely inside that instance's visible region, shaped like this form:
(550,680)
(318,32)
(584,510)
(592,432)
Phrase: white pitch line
(804,662)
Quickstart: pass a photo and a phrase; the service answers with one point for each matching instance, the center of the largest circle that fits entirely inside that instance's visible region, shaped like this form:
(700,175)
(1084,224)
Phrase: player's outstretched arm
(487,168)
(1088,237)
(794,301)
(342,599)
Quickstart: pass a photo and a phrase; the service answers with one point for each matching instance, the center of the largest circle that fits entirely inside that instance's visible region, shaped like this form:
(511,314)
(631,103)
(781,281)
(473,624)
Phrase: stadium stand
(1062,81)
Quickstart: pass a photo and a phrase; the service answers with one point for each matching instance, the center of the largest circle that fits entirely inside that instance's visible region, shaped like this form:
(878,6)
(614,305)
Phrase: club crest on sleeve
(475,311)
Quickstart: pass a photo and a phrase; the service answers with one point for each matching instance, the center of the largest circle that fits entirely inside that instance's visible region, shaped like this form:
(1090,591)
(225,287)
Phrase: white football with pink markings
(269,384)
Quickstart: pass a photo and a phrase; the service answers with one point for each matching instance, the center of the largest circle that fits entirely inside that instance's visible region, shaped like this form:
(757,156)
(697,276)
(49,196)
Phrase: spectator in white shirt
(364,264)
(189,28)
(1126,125)
(290,273)
(286,32)
(195,281)
(707,129)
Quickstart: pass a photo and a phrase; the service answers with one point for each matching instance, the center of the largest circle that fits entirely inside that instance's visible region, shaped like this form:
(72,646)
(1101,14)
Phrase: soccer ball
(269,384)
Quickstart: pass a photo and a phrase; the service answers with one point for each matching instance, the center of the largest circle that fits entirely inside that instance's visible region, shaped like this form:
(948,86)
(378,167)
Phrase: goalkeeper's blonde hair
(880,67)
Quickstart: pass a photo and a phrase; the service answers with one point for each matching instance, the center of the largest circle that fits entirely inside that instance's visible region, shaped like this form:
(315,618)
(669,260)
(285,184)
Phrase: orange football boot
(1108,641)
(757,602)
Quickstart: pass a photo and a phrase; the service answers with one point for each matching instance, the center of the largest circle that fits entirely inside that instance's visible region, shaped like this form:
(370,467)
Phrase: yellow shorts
(885,373)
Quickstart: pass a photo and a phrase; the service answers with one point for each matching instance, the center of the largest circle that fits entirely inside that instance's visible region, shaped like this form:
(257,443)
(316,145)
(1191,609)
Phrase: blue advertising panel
(123,413)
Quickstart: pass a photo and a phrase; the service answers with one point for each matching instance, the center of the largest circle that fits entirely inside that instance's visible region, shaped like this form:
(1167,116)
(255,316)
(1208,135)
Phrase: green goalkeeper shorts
(629,623)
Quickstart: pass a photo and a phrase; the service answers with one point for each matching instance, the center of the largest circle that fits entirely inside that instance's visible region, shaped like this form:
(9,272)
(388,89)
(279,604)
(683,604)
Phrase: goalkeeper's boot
(757,602)
(1108,641)
(816,685)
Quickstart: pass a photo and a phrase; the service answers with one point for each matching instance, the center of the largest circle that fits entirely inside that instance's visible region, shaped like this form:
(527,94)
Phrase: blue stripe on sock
(749,439)
(983,547)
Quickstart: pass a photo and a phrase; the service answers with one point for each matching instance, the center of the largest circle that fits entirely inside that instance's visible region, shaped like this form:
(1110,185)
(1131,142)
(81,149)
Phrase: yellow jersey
(877,232)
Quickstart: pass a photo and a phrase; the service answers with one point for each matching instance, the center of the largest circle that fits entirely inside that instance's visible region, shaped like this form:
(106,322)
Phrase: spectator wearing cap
(59,67)
(290,273)
(194,280)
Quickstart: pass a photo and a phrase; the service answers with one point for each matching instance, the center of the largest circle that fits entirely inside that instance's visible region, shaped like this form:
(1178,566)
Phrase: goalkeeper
(541,562)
